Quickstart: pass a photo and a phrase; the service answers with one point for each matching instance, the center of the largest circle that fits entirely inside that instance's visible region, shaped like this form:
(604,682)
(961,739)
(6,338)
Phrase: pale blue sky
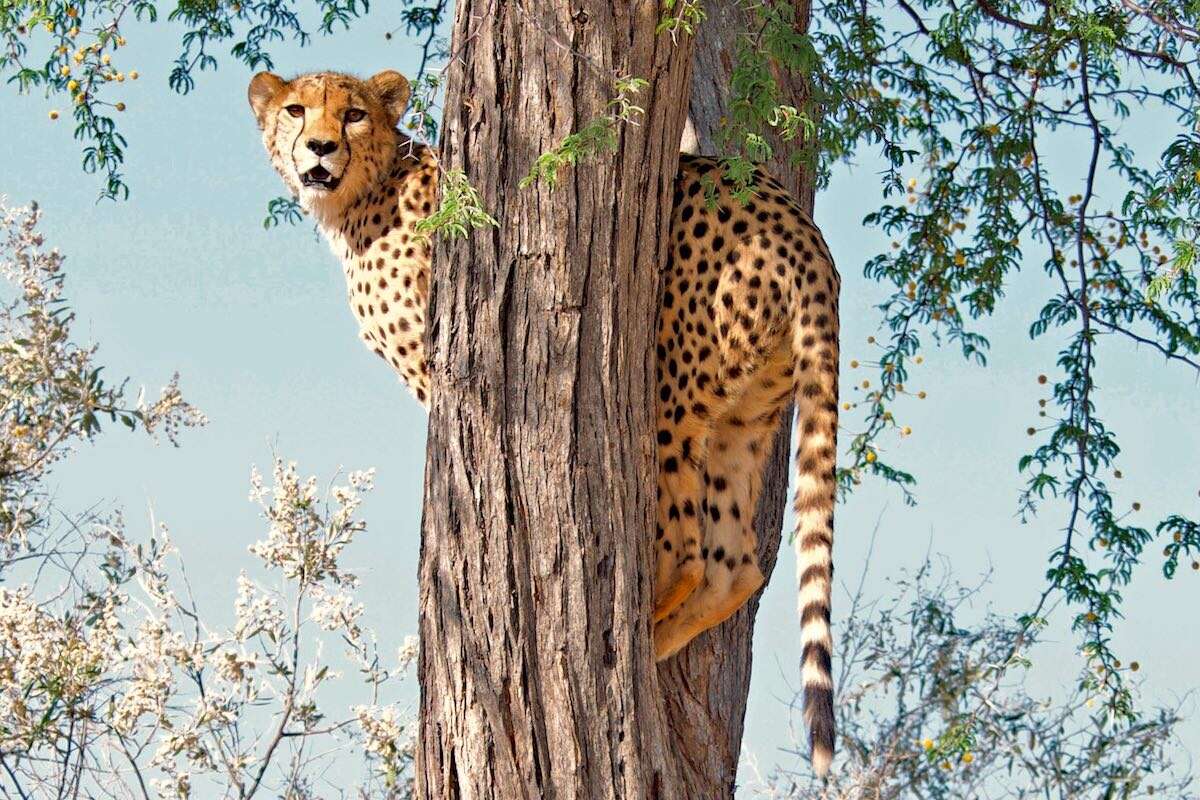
(183,277)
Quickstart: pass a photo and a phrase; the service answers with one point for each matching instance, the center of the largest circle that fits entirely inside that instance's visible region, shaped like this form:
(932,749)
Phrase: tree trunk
(536,665)
(705,687)
(536,669)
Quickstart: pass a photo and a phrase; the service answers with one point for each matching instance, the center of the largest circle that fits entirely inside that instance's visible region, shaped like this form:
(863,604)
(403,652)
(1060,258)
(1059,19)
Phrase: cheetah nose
(321,147)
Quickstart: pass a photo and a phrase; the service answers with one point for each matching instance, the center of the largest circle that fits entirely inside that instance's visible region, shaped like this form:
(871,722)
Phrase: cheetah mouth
(320,178)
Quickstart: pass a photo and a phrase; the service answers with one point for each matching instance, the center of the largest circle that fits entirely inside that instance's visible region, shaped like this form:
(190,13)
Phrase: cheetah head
(330,136)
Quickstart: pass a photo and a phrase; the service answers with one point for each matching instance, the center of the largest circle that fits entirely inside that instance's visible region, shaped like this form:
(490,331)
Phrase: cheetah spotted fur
(748,325)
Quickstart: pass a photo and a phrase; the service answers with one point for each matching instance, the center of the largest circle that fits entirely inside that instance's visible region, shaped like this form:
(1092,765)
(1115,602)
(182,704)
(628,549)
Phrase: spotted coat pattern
(748,326)
(387,264)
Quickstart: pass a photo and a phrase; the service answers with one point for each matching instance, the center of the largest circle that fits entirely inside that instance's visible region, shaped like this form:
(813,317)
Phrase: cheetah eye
(296,110)
(355,115)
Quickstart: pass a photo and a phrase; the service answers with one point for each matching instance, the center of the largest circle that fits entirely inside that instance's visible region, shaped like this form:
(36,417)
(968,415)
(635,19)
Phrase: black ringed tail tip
(818,713)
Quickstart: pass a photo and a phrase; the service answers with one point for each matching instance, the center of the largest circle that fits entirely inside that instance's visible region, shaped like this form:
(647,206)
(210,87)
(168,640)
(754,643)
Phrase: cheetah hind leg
(679,582)
(680,530)
(706,608)
(730,556)
(731,576)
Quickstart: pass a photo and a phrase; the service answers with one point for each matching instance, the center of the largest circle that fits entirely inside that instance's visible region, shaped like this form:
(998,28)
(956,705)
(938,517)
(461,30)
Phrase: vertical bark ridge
(536,671)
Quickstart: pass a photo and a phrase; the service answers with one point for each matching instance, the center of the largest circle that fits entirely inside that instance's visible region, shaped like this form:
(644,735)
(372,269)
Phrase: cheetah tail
(816,354)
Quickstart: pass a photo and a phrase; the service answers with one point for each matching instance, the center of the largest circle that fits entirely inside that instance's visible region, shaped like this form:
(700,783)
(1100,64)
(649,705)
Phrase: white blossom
(107,663)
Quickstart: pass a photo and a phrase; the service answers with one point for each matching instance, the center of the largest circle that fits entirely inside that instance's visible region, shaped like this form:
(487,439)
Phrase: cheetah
(748,325)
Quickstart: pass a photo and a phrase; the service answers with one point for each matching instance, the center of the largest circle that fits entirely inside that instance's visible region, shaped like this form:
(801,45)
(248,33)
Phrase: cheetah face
(330,136)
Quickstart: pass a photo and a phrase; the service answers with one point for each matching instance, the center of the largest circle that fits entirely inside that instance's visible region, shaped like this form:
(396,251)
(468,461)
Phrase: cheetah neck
(386,262)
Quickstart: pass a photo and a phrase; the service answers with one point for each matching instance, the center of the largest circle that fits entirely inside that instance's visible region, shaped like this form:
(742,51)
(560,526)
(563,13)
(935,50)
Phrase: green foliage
(597,137)
(461,209)
(757,103)
(282,210)
(1182,264)
(57,48)
(970,107)
(680,16)
(251,25)
(1183,543)
(422,118)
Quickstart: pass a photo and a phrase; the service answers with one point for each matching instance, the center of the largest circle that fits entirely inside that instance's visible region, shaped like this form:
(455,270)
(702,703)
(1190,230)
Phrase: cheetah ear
(264,87)
(392,90)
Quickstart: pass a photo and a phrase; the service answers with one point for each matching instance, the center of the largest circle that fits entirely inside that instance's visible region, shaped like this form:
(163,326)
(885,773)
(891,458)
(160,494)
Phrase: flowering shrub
(113,682)
(933,706)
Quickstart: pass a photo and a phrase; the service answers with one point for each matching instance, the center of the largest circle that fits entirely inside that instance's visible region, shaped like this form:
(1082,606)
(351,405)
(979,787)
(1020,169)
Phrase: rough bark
(706,686)
(536,667)
(535,582)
